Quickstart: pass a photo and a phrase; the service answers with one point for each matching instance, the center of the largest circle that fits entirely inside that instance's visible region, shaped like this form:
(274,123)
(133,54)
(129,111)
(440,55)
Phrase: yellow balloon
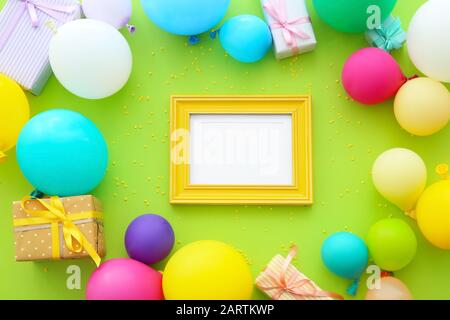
(400,176)
(433,214)
(422,106)
(207,270)
(14,113)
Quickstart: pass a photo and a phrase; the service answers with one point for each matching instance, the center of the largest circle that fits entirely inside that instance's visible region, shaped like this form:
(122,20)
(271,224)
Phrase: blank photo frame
(241,150)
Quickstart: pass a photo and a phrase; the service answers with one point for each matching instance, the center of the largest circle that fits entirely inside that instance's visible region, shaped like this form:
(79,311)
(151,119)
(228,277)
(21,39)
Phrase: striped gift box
(280,280)
(26,28)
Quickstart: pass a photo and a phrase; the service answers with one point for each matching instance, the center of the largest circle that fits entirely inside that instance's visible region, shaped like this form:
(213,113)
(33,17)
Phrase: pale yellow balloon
(422,106)
(400,176)
(390,289)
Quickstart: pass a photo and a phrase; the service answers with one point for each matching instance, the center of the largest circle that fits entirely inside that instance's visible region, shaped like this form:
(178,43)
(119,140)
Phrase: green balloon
(352,15)
(392,244)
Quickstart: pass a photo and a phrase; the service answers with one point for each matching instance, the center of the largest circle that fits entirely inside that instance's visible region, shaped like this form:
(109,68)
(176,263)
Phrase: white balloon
(90,58)
(429,39)
(115,12)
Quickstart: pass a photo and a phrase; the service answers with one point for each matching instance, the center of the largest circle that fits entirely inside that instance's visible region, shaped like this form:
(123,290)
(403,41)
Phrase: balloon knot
(193,40)
(385,274)
(213,34)
(36,194)
(442,170)
(353,288)
(3,157)
(131,28)
(412,78)
(411,214)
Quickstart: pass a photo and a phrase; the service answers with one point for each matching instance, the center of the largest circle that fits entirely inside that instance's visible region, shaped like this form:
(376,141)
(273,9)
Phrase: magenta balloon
(124,279)
(371,76)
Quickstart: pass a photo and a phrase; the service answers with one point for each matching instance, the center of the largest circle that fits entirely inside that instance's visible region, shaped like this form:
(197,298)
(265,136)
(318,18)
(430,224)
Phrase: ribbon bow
(298,287)
(55,215)
(389,36)
(58,12)
(278,12)
(53,10)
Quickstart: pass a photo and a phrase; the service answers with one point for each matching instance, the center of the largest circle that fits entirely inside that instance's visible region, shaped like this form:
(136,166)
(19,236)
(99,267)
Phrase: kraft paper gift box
(291,27)
(58,228)
(26,28)
(280,280)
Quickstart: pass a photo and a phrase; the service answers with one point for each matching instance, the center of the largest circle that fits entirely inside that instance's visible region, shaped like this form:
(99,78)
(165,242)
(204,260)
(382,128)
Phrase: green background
(347,138)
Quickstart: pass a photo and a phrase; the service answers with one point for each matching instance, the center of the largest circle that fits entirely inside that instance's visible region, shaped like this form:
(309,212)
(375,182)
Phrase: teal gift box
(389,36)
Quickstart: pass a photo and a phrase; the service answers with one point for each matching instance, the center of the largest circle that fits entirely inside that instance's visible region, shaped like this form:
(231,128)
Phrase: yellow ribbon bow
(55,215)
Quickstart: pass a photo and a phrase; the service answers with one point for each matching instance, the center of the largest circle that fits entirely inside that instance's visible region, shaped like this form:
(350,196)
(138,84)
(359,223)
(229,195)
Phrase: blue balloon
(62,153)
(246,38)
(346,255)
(186,17)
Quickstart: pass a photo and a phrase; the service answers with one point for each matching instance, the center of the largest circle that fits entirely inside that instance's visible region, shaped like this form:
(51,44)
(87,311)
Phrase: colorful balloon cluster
(422,105)
(400,176)
(246,38)
(149,239)
(208,270)
(391,244)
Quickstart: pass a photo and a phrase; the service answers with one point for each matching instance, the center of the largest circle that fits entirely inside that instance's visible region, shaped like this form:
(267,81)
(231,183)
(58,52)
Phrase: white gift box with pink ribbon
(291,27)
(26,28)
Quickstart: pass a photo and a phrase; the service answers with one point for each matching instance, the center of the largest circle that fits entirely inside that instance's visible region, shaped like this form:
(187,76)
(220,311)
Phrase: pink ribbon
(278,12)
(294,284)
(55,11)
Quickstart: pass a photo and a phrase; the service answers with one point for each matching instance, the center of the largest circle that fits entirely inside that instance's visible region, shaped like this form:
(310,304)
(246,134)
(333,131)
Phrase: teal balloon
(347,256)
(246,38)
(352,15)
(186,17)
(62,153)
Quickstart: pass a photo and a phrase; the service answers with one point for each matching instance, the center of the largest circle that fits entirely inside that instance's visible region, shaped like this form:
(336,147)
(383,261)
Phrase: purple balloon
(149,238)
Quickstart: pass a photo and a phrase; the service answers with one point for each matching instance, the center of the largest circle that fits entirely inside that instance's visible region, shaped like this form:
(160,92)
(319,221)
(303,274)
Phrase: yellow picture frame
(297,106)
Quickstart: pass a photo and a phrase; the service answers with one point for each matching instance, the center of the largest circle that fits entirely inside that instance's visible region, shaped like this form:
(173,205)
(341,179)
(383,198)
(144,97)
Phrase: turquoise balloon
(62,153)
(246,38)
(346,255)
(186,17)
(352,15)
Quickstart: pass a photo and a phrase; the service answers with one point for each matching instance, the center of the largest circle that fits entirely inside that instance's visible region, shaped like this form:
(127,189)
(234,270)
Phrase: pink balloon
(124,279)
(390,289)
(371,76)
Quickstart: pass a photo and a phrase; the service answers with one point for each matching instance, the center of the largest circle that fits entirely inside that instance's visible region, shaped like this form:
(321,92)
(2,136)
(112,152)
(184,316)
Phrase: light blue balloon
(62,153)
(346,255)
(186,17)
(246,38)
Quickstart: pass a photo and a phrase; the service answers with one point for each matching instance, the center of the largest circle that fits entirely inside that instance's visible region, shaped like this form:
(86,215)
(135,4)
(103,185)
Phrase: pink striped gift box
(280,280)
(26,27)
